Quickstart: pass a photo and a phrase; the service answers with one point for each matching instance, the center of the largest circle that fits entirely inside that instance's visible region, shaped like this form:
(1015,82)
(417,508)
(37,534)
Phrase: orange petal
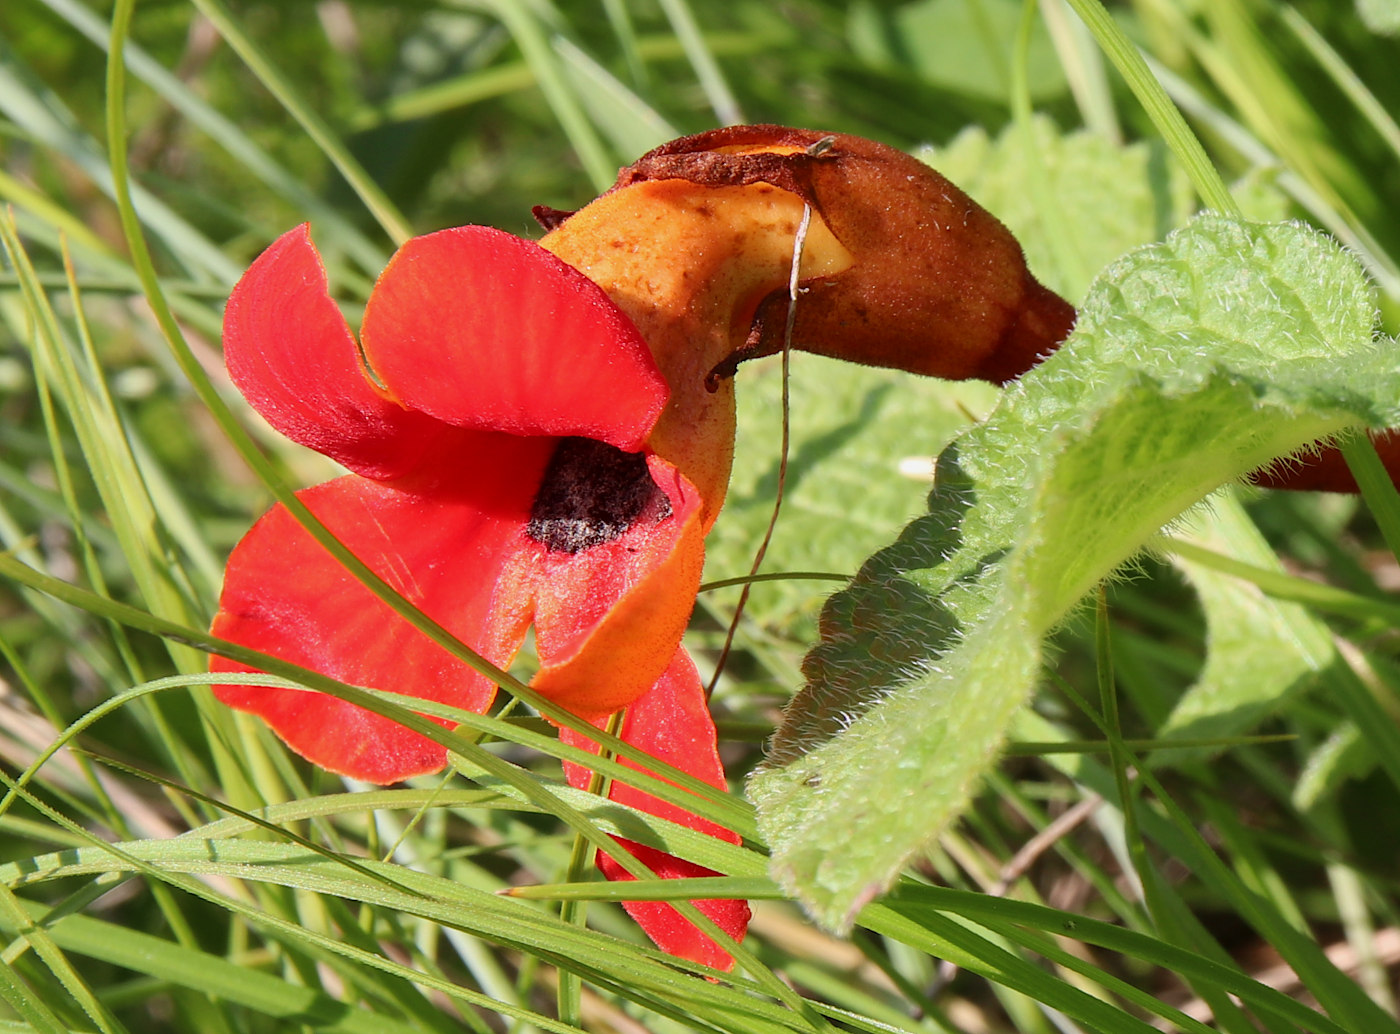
(609,618)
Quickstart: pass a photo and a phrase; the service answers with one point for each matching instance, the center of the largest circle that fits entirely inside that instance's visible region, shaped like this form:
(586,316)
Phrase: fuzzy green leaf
(844,496)
(1194,362)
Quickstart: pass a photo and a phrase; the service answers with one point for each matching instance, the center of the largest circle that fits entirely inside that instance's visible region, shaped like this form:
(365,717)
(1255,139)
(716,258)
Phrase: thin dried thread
(798,242)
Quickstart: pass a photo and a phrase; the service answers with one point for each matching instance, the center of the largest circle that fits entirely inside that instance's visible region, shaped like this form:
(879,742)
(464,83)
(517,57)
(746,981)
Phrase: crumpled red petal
(671,722)
(291,354)
(608,619)
(452,538)
(444,539)
(483,329)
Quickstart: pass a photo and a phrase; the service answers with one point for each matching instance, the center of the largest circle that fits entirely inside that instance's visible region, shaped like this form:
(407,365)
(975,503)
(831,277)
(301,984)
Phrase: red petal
(444,540)
(290,352)
(671,722)
(483,329)
(609,618)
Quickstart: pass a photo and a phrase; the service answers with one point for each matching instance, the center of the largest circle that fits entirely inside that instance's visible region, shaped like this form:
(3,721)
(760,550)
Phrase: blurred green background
(377,120)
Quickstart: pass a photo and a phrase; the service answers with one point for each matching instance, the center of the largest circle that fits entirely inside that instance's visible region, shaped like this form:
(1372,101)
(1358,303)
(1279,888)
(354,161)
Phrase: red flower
(501,480)
(547,443)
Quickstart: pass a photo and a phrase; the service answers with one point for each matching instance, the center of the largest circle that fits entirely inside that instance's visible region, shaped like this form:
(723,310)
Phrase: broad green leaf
(1261,650)
(1194,362)
(844,496)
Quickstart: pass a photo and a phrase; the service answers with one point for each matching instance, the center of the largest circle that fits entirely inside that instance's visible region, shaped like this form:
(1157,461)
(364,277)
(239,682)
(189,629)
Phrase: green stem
(1376,486)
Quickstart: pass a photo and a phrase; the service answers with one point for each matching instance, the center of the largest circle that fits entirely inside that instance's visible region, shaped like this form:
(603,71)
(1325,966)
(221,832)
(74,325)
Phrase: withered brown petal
(938,286)
(549,218)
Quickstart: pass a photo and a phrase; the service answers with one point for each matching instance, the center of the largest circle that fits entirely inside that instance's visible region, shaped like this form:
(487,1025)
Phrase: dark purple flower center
(591,494)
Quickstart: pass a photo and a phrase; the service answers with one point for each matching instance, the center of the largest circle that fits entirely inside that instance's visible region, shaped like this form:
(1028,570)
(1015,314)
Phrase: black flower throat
(593,493)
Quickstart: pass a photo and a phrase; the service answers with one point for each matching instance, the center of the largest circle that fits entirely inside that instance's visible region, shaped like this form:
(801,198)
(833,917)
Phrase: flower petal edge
(444,545)
(483,329)
(290,352)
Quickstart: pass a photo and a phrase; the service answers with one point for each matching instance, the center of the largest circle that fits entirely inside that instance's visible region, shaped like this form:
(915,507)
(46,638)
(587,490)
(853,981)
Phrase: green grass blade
(531,790)
(292,676)
(12,915)
(1003,913)
(506,78)
(1164,114)
(226,133)
(1281,586)
(1377,488)
(950,936)
(1345,77)
(1356,687)
(49,124)
(637,973)
(105,448)
(29,199)
(1084,68)
(712,81)
(633,126)
(621,21)
(30,1007)
(1337,993)
(530,36)
(263,993)
(317,128)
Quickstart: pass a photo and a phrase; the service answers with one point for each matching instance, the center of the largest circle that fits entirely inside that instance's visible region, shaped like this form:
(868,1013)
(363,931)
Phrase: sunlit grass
(170,867)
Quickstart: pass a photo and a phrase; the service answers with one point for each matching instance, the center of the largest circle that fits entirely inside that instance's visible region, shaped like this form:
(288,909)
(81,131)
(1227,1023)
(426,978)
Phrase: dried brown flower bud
(936,284)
